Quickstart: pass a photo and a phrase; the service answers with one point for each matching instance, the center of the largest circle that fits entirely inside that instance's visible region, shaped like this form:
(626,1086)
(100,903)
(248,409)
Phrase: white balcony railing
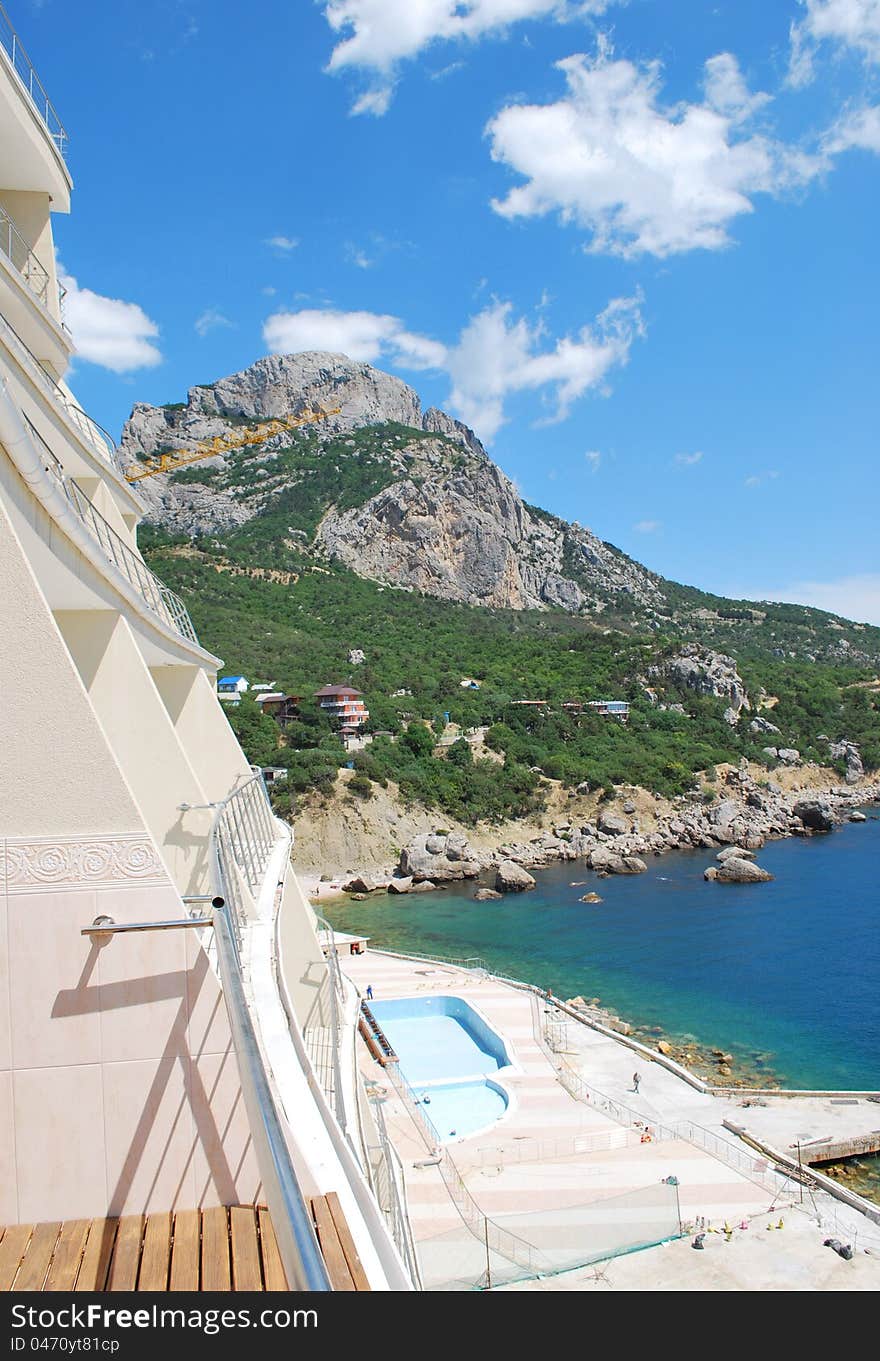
(243,839)
(13,245)
(88,430)
(24,69)
(162,601)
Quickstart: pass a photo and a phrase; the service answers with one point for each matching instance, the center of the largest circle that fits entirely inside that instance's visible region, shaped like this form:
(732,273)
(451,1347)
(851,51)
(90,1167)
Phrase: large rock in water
(439,856)
(733,871)
(512,878)
(815,814)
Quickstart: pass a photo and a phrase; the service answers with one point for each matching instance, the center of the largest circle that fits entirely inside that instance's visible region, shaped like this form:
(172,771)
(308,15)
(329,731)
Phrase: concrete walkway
(544,1169)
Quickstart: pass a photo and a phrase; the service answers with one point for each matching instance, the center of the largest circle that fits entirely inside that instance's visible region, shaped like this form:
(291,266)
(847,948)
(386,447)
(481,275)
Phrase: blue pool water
(788,970)
(437,1038)
(439,1042)
(456,1109)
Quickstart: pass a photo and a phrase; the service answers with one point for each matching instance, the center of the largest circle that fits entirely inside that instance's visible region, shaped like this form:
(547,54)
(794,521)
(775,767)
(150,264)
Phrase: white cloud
(856,129)
(648,526)
(379,35)
(495,356)
(854,597)
(356,256)
(282,243)
(366,336)
(726,90)
(758,479)
(594,459)
(211,320)
(848,23)
(688,460)
(639,176)
(107,331)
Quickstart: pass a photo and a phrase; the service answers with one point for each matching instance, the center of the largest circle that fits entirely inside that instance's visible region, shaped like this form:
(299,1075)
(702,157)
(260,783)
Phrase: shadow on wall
(201,1101)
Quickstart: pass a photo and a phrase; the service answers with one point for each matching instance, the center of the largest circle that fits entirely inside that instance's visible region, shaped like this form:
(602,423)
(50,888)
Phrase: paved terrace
(550,1152)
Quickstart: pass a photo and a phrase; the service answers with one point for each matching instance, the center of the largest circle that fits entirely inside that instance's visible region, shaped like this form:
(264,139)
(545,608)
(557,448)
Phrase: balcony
(87,431)
(24,69)
(14,246)
(163,602)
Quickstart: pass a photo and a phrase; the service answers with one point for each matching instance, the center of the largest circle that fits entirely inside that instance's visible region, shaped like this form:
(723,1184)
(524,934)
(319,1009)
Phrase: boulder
(734,853)
(664,1047)
(401,885)
(512,878)
(438,857)
(760,724)
(735,871)
(789,756)
(857,817)
(632,864)
(711,873)
(814,814)
(423,886)
(590,898)
(485,895)
(612,825)
(361,883)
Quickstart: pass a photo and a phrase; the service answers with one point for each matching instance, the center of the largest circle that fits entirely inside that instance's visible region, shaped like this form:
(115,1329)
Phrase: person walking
(636,1081)
(370,992)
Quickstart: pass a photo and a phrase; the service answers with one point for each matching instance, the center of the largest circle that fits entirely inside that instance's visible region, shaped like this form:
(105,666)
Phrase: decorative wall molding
(45,863)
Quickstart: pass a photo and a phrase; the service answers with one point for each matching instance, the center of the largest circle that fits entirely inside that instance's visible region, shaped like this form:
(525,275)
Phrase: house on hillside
(232,687)
(283,708)
(610,708)
(346,705)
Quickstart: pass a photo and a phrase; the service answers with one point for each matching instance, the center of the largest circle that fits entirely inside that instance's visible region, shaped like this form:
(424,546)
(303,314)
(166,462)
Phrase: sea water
(786,972)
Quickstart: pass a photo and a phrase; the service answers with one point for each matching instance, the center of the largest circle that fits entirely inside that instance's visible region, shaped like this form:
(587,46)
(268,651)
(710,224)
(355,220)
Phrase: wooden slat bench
(225,1248)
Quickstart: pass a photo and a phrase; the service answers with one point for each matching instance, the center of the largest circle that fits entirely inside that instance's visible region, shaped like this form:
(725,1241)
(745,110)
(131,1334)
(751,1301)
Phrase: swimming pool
(446,1051)
(457,1109)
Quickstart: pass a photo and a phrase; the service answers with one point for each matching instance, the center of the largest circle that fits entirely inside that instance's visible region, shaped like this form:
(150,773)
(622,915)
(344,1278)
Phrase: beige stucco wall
(142,737)
(57,774)
(202,728)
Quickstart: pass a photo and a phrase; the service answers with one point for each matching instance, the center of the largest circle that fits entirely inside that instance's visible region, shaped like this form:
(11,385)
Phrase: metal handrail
(92,432)
(24,69)
(162,601)
(297,1244)
(13,245)
(325,1041)
(243,836)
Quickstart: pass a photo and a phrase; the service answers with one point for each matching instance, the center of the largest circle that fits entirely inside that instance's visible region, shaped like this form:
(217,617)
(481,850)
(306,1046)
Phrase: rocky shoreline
(748,811)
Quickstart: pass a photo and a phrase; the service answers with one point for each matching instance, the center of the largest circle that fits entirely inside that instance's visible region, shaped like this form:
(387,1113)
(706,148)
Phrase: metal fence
(243,837)
(303,1264)
(385,1172)
(13,245)
(323,1029)
(24,69)
(88,430)
(162,601)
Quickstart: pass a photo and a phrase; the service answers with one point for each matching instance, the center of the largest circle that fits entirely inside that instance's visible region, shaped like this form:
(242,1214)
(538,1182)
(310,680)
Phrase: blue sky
(633,244)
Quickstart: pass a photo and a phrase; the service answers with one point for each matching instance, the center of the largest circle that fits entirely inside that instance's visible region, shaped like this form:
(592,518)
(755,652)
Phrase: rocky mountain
(409,498)
(448,522)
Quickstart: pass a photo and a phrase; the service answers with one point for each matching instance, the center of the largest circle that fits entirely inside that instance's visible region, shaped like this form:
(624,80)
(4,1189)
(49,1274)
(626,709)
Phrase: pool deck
(551,1152)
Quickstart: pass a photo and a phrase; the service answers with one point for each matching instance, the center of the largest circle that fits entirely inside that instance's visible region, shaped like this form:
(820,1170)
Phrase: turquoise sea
(787,971)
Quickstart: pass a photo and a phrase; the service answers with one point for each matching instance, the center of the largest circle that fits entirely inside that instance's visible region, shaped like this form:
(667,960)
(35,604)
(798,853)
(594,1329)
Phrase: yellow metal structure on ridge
(224,444)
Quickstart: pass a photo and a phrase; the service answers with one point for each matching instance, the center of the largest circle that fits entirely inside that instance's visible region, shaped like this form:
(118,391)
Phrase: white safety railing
(243,837)
(162,601)
(385,1171)
(13,245)
(23,67)
(89,431)
(322,1031)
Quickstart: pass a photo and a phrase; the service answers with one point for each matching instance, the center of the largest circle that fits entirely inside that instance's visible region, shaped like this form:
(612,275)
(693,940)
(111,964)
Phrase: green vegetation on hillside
(299,636)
